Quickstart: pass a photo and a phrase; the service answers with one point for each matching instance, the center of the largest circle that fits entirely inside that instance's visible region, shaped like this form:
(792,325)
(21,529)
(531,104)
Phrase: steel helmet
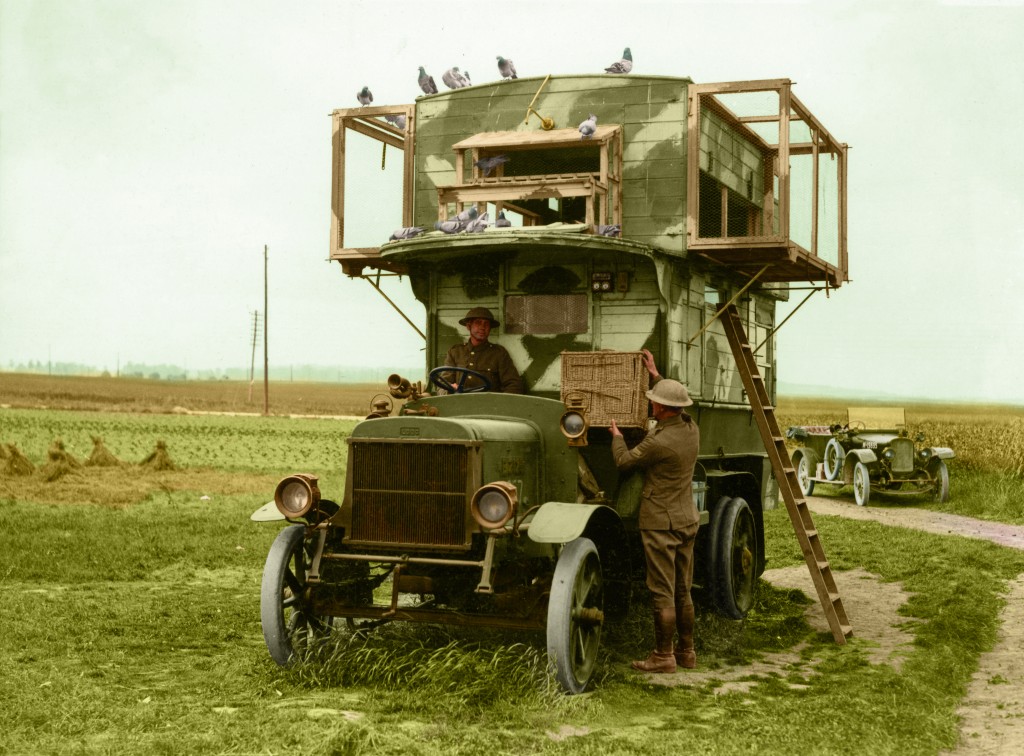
(482,313)
(670,393)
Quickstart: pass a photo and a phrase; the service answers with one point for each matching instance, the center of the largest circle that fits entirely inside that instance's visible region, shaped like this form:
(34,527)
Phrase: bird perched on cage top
(588,127)
(614,231)
(506,68)
(502,221)
(488,164)
(427,82)
(449,226)
(405,233)
(364,96)
(623,66)
(398,121)
(454,79)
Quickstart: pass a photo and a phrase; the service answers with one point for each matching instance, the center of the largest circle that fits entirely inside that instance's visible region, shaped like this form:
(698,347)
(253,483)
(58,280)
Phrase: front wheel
(861,484)
(940,479)
(290,626)
(734,558)
(575,614)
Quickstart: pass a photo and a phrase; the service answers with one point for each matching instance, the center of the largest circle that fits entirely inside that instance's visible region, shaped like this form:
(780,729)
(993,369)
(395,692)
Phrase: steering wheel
(857,425)
(459,386)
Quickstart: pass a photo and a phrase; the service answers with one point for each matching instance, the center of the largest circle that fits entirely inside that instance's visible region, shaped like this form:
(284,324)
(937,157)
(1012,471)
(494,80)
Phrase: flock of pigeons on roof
(470,220)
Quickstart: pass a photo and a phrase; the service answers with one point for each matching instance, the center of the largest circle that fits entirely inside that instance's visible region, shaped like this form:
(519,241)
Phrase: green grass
(137,630)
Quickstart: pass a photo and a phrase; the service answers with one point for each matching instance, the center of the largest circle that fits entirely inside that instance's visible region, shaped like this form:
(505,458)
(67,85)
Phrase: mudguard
(941,452)
(867,456)
(267,513)
(562,522)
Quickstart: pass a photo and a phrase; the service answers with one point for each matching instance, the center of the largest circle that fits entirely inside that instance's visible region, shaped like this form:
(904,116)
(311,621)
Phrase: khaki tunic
(667,455)
(490,359)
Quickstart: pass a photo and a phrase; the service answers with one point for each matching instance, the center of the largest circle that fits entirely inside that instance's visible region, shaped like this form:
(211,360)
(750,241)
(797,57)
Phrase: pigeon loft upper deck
(738,173)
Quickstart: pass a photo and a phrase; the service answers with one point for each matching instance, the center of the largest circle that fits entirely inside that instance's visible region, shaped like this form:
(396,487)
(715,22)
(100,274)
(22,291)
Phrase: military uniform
(668,518)
(490,359)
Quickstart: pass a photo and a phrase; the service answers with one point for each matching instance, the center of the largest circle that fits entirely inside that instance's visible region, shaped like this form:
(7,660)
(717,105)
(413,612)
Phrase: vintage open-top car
(873,450)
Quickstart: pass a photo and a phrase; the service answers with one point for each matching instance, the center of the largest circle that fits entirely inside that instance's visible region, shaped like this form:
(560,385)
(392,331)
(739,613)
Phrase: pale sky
(148,151)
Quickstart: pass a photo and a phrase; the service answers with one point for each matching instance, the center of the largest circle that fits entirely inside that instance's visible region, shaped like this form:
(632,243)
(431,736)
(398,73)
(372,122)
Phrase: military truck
(501,510)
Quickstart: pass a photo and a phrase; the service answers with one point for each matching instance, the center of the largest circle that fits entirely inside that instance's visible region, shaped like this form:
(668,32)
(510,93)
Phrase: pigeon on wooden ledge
(506,68)
(488,164)
(477,225)
(398,121)
(364,96)
(613,231)
(502,221)
(427,82)
(454,79)
(470,213)
(588,127)
(623,66)
(449,226)
(405,233)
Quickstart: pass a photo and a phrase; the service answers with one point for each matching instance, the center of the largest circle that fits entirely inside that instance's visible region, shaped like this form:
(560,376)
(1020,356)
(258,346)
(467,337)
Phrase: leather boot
(684,654)
(661,658)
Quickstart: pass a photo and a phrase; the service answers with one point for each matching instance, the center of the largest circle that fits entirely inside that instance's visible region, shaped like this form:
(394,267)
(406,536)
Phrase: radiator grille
(903,449)
(409,494)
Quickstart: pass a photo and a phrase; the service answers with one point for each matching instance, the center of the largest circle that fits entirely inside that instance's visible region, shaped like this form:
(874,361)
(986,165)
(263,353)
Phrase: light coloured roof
(508,140)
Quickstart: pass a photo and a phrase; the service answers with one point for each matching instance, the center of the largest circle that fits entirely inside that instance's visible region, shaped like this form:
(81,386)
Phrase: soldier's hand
(615,429)
(648,359)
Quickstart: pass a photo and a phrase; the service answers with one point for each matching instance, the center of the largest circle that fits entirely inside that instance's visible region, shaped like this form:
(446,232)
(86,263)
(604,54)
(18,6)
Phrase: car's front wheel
(940,479)
(861,484)
(575,614)
(804,473)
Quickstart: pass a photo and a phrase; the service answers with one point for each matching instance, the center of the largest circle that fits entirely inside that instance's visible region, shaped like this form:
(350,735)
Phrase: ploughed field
(132,601)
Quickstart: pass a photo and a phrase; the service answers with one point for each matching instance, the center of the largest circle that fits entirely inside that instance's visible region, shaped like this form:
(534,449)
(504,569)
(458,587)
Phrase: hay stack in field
(14,462)
(60,462)
(159,459)
(101,456)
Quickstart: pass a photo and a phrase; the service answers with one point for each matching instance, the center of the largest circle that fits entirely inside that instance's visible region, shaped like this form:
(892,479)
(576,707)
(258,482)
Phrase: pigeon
(405,233)
(502,221)
(470,213)
(588,127)
(454,79)
(465,75)
(488,164)
(623,66)
(364,96)
(609,230)
(398,121)
(477,225)
(449,226)
(427,82)
(506,68)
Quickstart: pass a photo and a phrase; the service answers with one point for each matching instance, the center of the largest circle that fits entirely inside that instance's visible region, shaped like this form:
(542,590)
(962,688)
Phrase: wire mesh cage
(612,385)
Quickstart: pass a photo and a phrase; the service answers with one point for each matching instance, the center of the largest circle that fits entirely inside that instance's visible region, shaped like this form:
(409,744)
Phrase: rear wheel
(803,473)
(861,484)
(734,558)
(940,478)
(834,456)
(575,614)
(290,626)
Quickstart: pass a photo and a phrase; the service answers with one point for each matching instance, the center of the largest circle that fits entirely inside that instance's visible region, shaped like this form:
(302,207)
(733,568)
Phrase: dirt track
(992,712)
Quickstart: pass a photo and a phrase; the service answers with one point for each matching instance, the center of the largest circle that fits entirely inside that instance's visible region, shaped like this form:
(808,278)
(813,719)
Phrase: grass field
(131,614)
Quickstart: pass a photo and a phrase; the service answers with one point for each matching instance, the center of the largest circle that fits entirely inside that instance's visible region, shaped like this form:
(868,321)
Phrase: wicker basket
(612,385)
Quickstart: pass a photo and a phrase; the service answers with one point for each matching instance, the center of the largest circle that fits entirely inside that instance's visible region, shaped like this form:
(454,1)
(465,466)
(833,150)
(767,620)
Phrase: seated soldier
(479,354)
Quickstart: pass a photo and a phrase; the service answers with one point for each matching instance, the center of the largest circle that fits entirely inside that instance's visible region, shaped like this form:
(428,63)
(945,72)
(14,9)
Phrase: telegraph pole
(266,361)
(255,338)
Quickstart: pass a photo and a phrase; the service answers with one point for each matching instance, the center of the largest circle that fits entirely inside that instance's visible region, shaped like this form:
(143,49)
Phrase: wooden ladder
(785,474)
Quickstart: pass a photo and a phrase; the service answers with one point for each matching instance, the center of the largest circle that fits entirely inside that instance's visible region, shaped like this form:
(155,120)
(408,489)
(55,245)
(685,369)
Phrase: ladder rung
(847,630)
(834,598)
(823,565)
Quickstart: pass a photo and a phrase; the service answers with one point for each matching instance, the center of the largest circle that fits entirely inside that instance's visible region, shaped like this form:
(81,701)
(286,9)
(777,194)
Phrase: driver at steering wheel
(479,354)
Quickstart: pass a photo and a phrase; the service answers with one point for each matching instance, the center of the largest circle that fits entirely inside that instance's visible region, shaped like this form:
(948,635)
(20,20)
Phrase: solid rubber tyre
(290,627)
(861,484)
(575,614)
(734,558)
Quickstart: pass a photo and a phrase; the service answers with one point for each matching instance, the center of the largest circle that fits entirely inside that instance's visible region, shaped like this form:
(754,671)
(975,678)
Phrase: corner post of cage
(337,182)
